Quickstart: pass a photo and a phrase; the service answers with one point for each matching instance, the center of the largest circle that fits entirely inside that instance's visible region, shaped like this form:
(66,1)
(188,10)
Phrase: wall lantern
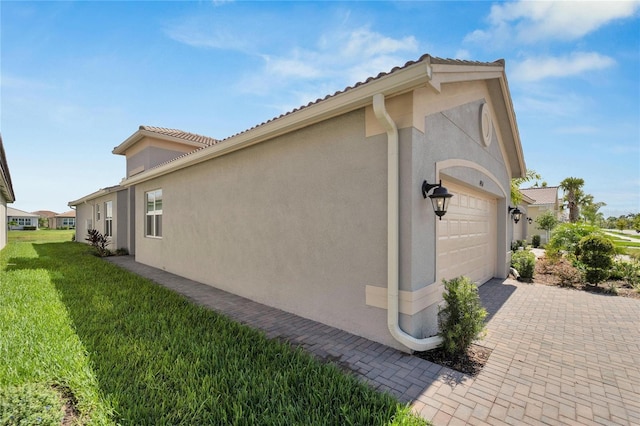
(439,198)
(516,214)
(530,220)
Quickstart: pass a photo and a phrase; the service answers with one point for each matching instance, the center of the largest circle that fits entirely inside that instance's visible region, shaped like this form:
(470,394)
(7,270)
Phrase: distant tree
(546,221)
(590,210)
(636,222)
(43,222)
(572,188)
(622,223)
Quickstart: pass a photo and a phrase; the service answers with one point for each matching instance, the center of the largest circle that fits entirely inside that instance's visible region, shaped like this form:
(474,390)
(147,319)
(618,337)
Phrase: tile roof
(19,213)
(424,58)
(542,195)
(45,213)
(70,213)
(180,134)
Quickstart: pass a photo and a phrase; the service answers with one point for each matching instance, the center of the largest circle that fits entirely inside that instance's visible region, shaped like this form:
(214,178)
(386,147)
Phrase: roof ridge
(181,134)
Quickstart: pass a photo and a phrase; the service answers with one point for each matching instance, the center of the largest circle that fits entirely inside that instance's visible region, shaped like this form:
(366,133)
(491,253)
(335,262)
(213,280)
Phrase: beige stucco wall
(86,212)
(298,223)
(3,222)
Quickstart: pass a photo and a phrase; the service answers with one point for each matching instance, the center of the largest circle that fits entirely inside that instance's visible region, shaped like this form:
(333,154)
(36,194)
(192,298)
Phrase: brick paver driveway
(559,356)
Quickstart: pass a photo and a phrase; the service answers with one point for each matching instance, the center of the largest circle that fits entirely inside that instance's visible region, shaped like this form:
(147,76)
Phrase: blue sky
(78,78)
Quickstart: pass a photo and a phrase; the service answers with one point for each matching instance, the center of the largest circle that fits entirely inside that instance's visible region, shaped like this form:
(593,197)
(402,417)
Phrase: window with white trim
(153,213)
(108,219)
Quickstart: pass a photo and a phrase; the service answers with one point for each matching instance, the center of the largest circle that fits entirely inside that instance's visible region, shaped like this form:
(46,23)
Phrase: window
(153,223)
(108,219)
(69,221)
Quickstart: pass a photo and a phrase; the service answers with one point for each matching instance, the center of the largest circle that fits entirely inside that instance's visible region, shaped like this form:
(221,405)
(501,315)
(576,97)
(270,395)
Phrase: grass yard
(122,350)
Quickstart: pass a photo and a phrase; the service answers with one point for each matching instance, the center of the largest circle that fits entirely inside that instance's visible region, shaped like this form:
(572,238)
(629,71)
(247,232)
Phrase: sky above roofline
(78,78)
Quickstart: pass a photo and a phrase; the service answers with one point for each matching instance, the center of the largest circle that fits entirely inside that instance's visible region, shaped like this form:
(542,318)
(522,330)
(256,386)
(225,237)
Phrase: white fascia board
(396,83)
(94,195)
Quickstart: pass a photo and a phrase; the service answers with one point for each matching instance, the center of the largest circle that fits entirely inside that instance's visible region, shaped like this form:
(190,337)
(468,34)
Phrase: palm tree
(572,188)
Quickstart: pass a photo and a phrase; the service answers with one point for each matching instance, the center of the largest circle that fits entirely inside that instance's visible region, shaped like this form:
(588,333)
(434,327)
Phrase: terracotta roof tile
(542,195)
(180,134)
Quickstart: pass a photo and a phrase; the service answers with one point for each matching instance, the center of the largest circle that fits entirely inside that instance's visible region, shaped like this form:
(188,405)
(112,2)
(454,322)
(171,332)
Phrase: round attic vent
(486,124)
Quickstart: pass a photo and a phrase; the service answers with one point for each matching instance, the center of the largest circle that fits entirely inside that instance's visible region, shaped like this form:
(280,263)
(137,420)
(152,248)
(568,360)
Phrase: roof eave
(141,133)
(94,195)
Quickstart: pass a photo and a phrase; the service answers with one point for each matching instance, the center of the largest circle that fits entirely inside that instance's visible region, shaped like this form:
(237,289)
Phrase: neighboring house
(6,195)
(545,198)
(521,228)
(19,220)
(320,211)
(47,216)
(65,220)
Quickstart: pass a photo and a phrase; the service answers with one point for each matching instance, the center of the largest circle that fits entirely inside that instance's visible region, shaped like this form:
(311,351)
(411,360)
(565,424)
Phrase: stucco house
(6,195)
(66,220)
(20,220)
(323,211)
(545,198)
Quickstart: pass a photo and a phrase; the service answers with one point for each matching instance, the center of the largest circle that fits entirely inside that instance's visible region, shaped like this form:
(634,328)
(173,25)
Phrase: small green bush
(524,262)
(629,272)
(461,320)
(596,254)
(515,245)
(535,241)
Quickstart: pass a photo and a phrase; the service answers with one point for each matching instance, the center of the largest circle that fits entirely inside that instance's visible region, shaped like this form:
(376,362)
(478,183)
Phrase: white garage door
(467,236)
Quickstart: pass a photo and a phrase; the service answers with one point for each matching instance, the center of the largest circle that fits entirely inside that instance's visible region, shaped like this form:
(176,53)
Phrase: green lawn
(134,353)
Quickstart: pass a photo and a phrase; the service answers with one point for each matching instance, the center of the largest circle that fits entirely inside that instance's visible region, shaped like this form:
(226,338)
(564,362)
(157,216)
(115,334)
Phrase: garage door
(467,236)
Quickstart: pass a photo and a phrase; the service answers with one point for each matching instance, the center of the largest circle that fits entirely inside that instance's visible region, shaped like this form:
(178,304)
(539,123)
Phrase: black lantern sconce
(439,198)
(516,214)
(529,220)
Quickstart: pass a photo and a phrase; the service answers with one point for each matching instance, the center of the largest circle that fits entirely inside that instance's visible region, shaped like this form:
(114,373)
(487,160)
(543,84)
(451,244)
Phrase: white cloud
(539,68)
(197,32)
(533,21)
(340,58)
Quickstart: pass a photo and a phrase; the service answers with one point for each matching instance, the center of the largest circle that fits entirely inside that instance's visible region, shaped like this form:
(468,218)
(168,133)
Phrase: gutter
(393,234)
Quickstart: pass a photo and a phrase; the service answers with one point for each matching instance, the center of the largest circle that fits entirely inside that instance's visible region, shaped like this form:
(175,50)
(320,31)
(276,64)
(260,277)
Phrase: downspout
(393,234)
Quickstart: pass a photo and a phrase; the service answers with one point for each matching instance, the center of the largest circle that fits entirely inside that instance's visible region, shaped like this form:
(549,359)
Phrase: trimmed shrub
(461,320)
(535,241)
(524,262)
(596,254)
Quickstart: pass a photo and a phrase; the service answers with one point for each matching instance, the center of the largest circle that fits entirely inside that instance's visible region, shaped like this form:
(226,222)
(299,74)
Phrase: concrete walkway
(559,356)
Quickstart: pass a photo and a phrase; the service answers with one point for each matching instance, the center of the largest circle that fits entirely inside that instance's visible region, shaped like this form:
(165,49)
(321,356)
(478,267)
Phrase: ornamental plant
(461,320)
(596,254)
(524,262)
(98,241)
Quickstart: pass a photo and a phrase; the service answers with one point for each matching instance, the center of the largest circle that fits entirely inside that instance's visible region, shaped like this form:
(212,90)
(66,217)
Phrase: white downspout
(393,235)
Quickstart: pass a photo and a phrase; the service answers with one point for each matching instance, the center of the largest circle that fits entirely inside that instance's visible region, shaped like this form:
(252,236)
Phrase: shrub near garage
(461,320)
(524,262)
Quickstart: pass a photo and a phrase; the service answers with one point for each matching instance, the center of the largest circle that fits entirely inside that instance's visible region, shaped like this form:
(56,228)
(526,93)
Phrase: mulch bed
(471,363)
(545,274)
